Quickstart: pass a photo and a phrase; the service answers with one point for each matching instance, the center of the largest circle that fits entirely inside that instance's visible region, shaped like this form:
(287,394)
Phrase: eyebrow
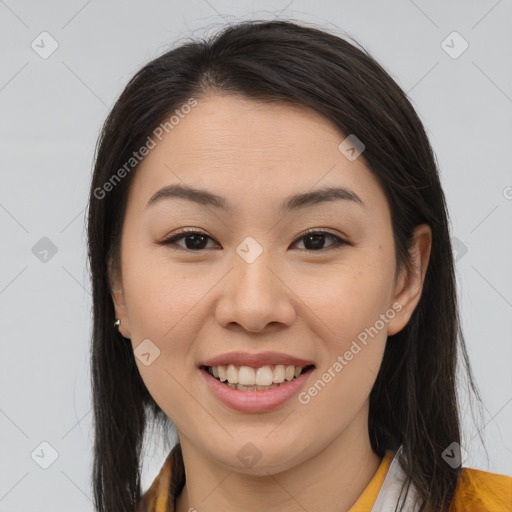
(294,202)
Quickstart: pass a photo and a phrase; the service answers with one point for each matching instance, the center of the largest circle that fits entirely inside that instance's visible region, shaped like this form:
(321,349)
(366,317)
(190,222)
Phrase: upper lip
(255,360)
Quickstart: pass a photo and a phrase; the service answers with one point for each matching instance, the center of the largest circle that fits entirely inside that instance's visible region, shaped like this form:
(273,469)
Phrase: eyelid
(180,234)
(340,240)
(309,231)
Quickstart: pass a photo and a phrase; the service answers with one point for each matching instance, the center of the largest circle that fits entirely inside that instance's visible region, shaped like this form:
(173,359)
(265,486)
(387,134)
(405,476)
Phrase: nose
(255,296)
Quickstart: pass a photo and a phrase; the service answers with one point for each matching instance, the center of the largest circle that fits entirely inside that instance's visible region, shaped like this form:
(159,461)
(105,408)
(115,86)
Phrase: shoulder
(482,491)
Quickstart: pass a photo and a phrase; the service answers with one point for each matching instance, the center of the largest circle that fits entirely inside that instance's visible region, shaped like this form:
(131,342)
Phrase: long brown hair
(414,399)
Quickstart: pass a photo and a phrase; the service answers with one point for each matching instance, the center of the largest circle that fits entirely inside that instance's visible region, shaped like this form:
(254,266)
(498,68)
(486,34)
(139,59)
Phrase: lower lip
(255,401)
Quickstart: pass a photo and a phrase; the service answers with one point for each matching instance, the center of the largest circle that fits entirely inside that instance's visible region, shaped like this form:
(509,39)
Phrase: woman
(272,272)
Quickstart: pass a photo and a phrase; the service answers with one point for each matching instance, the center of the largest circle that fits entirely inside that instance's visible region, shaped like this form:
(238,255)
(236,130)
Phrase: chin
(259,457)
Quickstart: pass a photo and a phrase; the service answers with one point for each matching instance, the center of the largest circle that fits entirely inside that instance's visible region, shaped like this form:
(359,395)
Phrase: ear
(117,292)
(407,292)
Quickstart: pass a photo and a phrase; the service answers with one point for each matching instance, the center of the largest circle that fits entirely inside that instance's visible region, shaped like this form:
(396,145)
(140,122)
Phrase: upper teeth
(263,376)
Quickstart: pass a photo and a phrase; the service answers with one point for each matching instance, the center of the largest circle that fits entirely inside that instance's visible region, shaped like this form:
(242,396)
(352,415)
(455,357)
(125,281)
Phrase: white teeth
(264,376)
(279,373)
(232,374)
(290,372)
(222,373)
(246,377)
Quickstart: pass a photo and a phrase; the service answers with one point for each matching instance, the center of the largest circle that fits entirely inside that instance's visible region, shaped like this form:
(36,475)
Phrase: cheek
(348,308)
(160,294)
(167,303)
(352,361)
(345,299)
(341,390)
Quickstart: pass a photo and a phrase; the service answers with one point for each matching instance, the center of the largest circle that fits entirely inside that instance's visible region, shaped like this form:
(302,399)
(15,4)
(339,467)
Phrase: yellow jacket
(477,491)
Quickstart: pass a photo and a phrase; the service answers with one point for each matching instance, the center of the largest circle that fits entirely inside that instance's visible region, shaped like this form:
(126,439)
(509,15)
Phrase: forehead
(236,147)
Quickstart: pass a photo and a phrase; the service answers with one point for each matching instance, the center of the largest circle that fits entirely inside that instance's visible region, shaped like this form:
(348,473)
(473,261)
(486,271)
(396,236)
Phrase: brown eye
(314,240)
(194,240)
(197,241)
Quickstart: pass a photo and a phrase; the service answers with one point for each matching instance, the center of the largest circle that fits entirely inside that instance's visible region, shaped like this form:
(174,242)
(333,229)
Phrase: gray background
(51,112)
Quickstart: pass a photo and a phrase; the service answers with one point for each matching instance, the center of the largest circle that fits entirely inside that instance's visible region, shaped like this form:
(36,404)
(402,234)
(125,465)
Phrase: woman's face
(253,282)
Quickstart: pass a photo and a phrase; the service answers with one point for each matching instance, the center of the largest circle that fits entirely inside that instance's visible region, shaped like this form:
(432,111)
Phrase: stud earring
(117,323)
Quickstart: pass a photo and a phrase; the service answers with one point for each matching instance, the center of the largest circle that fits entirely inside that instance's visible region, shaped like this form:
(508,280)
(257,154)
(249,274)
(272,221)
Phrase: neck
(332,479)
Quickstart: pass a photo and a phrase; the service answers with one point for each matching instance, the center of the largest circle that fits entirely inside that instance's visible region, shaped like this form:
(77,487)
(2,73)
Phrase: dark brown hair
(414,399)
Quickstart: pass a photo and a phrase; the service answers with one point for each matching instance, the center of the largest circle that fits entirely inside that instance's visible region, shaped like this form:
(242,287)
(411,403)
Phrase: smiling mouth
(245,378)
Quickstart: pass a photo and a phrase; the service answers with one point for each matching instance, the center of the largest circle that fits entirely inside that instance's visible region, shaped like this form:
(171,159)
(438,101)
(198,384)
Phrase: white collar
(387,499)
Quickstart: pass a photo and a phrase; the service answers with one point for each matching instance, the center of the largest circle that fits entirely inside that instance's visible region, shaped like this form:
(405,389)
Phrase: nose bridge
(255,296)
(252,268)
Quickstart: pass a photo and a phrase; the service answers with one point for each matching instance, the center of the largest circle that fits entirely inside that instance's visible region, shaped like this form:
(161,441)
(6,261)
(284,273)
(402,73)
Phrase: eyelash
(188,232)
